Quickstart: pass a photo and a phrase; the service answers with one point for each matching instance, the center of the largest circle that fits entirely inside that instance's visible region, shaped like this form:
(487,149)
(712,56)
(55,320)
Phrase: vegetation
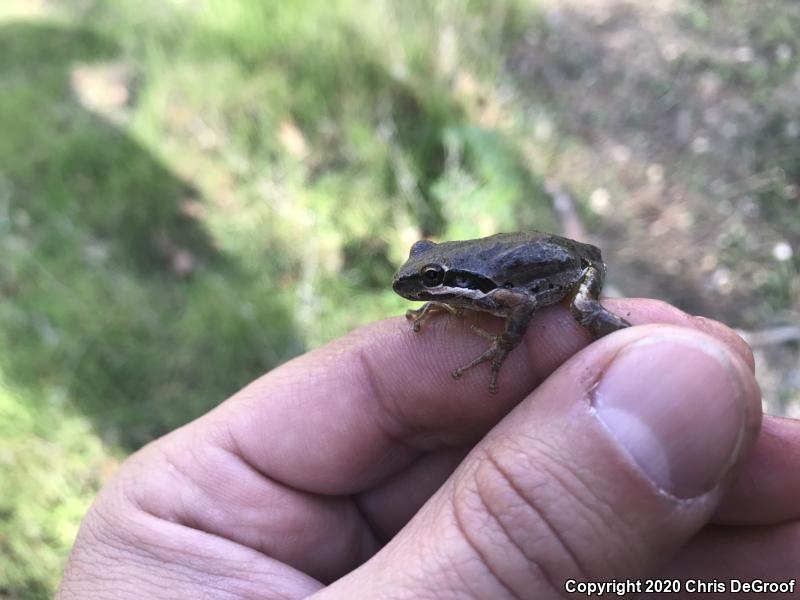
(193,192)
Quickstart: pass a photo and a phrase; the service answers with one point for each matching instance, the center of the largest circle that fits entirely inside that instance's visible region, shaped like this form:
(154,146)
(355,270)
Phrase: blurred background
(194,191)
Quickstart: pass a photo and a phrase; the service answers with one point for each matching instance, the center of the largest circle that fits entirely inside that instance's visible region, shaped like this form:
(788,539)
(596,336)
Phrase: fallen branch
(771,336)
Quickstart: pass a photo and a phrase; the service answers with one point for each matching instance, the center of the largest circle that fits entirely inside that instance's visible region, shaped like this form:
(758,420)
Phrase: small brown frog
(509,275)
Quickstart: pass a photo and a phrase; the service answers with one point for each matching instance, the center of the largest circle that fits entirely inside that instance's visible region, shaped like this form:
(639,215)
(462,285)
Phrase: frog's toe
(493,383)
(416,319)
(483,333)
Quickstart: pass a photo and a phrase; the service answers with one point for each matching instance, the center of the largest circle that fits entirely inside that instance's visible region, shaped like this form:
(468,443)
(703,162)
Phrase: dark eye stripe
(463,279)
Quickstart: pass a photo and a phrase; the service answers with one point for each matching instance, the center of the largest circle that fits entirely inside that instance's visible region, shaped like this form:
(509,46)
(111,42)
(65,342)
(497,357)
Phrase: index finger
(340,419)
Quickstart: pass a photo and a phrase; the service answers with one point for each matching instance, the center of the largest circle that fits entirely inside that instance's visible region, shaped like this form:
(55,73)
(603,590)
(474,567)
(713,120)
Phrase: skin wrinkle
(187,513)
(367,540)
(539,515)
(236,453)
(414,585)
(550,451)
(205,570)
(129,494)
(134,493)
(451,568)
(98,552)
(138,558)
(228,444)
(236,450)
(590,501)
(261,546)
(447,565)
(114,541)
(151,555)
(606,517)
(533,566)
(157,554)
(197,479)
(552,459)
(474,547)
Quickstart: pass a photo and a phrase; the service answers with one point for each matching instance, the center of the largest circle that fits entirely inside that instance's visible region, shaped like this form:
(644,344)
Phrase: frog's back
(525,256)
(543,241)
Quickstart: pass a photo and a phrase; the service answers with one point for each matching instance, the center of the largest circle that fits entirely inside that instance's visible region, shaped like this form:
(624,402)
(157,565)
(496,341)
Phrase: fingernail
(675,404)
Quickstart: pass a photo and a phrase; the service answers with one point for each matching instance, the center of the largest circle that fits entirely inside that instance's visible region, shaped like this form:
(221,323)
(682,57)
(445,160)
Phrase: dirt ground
(690,112)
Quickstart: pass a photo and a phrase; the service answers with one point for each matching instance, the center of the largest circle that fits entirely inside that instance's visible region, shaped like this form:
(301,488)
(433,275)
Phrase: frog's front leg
(520,313)
(588,311)
(416,316)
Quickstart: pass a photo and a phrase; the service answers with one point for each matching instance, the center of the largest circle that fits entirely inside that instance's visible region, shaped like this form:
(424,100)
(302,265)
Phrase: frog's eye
(421,246)
(432,275)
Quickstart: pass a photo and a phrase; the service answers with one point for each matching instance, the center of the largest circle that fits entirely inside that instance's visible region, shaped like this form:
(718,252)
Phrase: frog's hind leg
(501,344)
(416,316)
(588,311)
(496,353)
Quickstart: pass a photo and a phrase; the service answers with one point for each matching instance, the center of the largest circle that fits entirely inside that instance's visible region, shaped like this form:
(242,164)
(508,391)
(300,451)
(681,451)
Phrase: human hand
(363,465)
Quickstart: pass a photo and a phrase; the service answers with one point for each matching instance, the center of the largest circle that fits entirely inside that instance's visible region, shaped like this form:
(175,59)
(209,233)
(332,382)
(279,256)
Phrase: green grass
(51,465)
(253,201)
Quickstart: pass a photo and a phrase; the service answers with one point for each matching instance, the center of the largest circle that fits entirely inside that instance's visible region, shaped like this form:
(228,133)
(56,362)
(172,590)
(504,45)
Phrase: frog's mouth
(407,288)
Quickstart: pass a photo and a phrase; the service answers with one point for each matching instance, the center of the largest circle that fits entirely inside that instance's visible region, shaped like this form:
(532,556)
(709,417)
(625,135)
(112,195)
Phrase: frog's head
(436,272)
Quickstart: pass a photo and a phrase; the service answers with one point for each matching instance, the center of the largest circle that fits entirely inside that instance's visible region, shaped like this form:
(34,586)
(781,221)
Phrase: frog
(510,275)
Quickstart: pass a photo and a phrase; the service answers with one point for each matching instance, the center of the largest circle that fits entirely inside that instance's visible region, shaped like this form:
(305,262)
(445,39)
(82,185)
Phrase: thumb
(603,472)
